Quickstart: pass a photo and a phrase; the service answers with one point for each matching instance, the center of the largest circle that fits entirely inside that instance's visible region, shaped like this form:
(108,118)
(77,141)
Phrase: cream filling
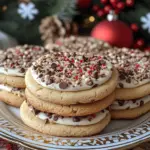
(75,86)
(12,72)
(69,120)
(129,104)
(19,92)
(133,83)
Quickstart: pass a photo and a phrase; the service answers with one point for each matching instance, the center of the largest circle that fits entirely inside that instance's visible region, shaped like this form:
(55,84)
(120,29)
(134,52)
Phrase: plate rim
(21,143)
(124,143)
(144,125)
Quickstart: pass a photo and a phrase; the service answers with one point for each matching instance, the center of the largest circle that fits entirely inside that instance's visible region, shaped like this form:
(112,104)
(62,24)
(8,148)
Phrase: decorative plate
(118,134)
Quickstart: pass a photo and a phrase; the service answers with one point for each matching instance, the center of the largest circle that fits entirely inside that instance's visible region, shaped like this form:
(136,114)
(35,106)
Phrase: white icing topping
(130,104)
(76,87)
(12,72)
(69,120)
(133,66)
(18,92)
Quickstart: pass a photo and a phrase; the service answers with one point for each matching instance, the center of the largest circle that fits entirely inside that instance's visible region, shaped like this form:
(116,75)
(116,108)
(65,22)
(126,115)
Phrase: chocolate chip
(145,77)
(121,103)
(130,73)
(49,115)
(89,119)
(141,103)
(120,85)
(22,70)
(128,80)
(56,117)
(46,121)
(75,119)
(122,76)
(85,58)
(96,75)
(40,75)
(63,85)
(103,111)
(134,101)
(50,81)
(102,75)
(53,65)
(36,111)
(102,62)
(35,67)
(74,54)
(89,82)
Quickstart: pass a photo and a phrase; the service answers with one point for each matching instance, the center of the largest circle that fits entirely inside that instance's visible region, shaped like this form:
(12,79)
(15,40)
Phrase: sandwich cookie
(132,93)
(56,125)
(69,110)
(13,64)
(69,93)
(66,79)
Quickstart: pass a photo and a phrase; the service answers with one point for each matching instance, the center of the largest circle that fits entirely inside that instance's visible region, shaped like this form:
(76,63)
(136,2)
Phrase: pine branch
(68,11)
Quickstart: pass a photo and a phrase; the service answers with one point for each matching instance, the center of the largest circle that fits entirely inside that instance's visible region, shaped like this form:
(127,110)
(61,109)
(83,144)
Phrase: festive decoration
(134,27)
(108,5)
(129,3)
(83,3)
(52,28)
(139,43)
(146,22)
(27,11)
(114,32)
(22,18)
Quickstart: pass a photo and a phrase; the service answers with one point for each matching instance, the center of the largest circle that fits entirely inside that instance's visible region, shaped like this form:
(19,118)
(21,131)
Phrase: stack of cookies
(132,93)
(133,90)
(68,94)
(13,64)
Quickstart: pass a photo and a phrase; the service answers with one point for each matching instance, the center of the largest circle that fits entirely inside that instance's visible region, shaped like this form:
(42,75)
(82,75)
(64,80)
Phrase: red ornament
(115,32)
(129,3)
(113,1)
(95,8)
(107,9)
(134,27)
(100,13)
(104,1)
(117,11)
(120,5)
(83,3)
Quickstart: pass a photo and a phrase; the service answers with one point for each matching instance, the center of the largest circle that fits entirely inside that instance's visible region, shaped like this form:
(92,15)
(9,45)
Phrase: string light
(91,18)
(4,8)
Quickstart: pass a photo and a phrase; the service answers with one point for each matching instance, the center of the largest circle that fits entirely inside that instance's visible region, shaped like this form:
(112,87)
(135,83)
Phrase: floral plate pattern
(119,134)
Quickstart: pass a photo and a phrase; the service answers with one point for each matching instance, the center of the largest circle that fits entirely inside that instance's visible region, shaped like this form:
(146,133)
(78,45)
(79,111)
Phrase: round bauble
(115,32)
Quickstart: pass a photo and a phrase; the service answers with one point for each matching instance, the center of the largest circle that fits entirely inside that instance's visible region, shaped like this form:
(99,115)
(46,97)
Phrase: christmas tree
(21,18)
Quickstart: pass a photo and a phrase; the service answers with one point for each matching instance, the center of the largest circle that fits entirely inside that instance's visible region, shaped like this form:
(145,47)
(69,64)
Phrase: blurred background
(123,23)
